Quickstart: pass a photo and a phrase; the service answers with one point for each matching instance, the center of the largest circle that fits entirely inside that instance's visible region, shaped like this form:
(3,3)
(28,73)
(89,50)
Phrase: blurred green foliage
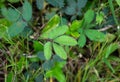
(59,40)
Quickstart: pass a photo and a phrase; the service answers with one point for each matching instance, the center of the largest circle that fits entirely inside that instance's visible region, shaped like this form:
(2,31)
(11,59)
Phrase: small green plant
(83,29)
(56,39)
(100,17)
(79,42)
(71,8)
(19,19)
(74,8)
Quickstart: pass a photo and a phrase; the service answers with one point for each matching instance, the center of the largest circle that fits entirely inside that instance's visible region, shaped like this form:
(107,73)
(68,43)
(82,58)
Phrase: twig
(105,28)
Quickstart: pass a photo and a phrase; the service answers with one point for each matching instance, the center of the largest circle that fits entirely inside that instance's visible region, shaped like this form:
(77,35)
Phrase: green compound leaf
(58,31)
(16,28)
(89,16)
(27,11)
(48,50)
(59,50)
(10,14)
(81,3)
(82,40)
(71,8)
(74,7)
(57,72)
(56,3)
(66,40)
(40,4)
(95,35)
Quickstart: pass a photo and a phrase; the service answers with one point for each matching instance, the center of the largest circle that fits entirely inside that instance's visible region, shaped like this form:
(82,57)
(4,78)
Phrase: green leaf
(47,65)
(58,31)
(75,25)
(53,22)
(118,2)
(71,2)
(81,30)
(95,35)
(99,17)
(39,78)
(27,11)
(63,21)
(57,59)
(16,28)
(56,3)
(110,37)
(49,15)
(2,32)
(89,16)
(41,56)
(60,64)
(37,46)
(75,34)
(82,40)
(114,58)
(4,24)
(66,40)
(48,50)
(57,73)
(74,7)
(2,4)
(26,32)
(71,8)
(110,49)
(1,1)
(108,64)
(10,77)
(40,4)
(10,14)
(44,35)
(59,50)
(20,64)
(81,3)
